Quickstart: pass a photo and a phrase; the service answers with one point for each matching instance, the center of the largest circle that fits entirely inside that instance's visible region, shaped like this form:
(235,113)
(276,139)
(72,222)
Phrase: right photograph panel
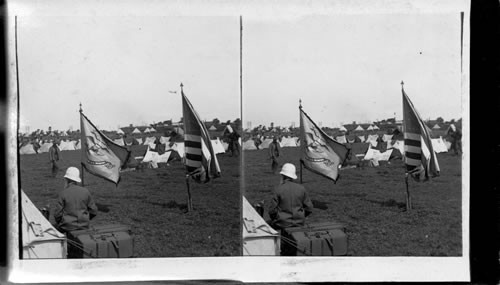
(352,135)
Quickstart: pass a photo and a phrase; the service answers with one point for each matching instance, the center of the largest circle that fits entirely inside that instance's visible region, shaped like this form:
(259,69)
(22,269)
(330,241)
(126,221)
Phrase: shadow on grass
(172,205)
(102,207)
(389,203)
(319,205)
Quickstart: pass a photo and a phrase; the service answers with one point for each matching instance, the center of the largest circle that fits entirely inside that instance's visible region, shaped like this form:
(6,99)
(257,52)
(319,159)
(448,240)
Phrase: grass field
(153,202)
(370,201)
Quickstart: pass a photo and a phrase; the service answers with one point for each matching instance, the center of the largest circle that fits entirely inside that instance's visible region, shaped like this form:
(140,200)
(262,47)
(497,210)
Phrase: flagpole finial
(182,85)
(81,107)
(402,83)
(300,103)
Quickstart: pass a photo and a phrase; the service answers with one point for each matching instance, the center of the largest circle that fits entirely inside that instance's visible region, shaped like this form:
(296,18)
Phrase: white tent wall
(225,145)
(39,238)
(155,158)
(439,145)
(149,140)
(179,148)
(341,139)
(78,145)
(67,145)
(136,131)
(119,141)
(361,138)
(164,140)
(265,143)
(44,147)
(399,144)
(288,142)
(249,145)
(258,237)
(387,138)
(139,140)
(27,149)
(217,146)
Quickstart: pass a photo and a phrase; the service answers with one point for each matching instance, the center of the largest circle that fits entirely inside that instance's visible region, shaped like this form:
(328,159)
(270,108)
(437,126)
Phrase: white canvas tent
(265,143)
(146,131)
(27,149)
(139,140)
(44,147)
(164,140)
(373,154)
(341,139)
(39,238)
(149,141)
(67,145)
(155,158)
(436,127)
(217,146)
(119,141)
(361,138)
(370,128)
(399,144)
(136,131)
(120,132)
(179,148)
(152,130)
(343,129)
(258,237)
(359,128)
(249,145)
(288,142)
(375,127)
(439,146)
(78,145)
(387,138)
(372,139)
(212,128)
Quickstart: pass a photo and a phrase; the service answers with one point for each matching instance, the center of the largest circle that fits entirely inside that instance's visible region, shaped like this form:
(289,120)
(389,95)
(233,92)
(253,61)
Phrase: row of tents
(64,145)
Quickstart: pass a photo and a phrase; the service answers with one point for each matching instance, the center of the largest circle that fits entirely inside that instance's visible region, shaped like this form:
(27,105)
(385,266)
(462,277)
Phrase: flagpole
(408,194)
(190,200)
(300,160)
(81,142)
(188,186)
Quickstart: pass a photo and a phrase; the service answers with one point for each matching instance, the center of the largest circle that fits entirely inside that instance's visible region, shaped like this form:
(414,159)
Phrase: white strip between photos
(249,269)
(262,9)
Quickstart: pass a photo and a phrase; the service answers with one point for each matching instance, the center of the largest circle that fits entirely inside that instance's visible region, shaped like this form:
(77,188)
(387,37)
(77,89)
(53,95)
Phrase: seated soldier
(75,206)
(290,205)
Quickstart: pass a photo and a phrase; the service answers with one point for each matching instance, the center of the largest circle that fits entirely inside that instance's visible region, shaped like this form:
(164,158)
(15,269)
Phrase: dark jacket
(274,149)
(290,205)
(74,209)
(53,153)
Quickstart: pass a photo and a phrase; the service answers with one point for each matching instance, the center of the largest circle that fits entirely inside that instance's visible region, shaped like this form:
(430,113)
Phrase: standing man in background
(274,153)
(54,158)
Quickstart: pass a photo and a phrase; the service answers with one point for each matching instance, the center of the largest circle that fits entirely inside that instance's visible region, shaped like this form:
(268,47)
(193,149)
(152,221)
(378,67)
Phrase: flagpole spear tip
(182,85)
(402,83)
(81,107)
(300,103)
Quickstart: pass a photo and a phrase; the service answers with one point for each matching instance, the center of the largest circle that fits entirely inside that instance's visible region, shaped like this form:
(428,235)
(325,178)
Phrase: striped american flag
(420,157)
(200,159)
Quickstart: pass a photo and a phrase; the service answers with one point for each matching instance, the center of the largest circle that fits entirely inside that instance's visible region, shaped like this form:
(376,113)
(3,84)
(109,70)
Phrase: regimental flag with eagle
(200,159)
(320,153)
(420,158)
(101,156)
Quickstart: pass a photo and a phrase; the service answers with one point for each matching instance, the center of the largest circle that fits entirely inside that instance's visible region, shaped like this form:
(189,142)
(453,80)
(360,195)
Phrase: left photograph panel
(128,136)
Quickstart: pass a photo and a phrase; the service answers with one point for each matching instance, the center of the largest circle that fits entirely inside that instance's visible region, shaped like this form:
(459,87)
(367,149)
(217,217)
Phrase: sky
(122,69)
(344,68)
(349,68)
